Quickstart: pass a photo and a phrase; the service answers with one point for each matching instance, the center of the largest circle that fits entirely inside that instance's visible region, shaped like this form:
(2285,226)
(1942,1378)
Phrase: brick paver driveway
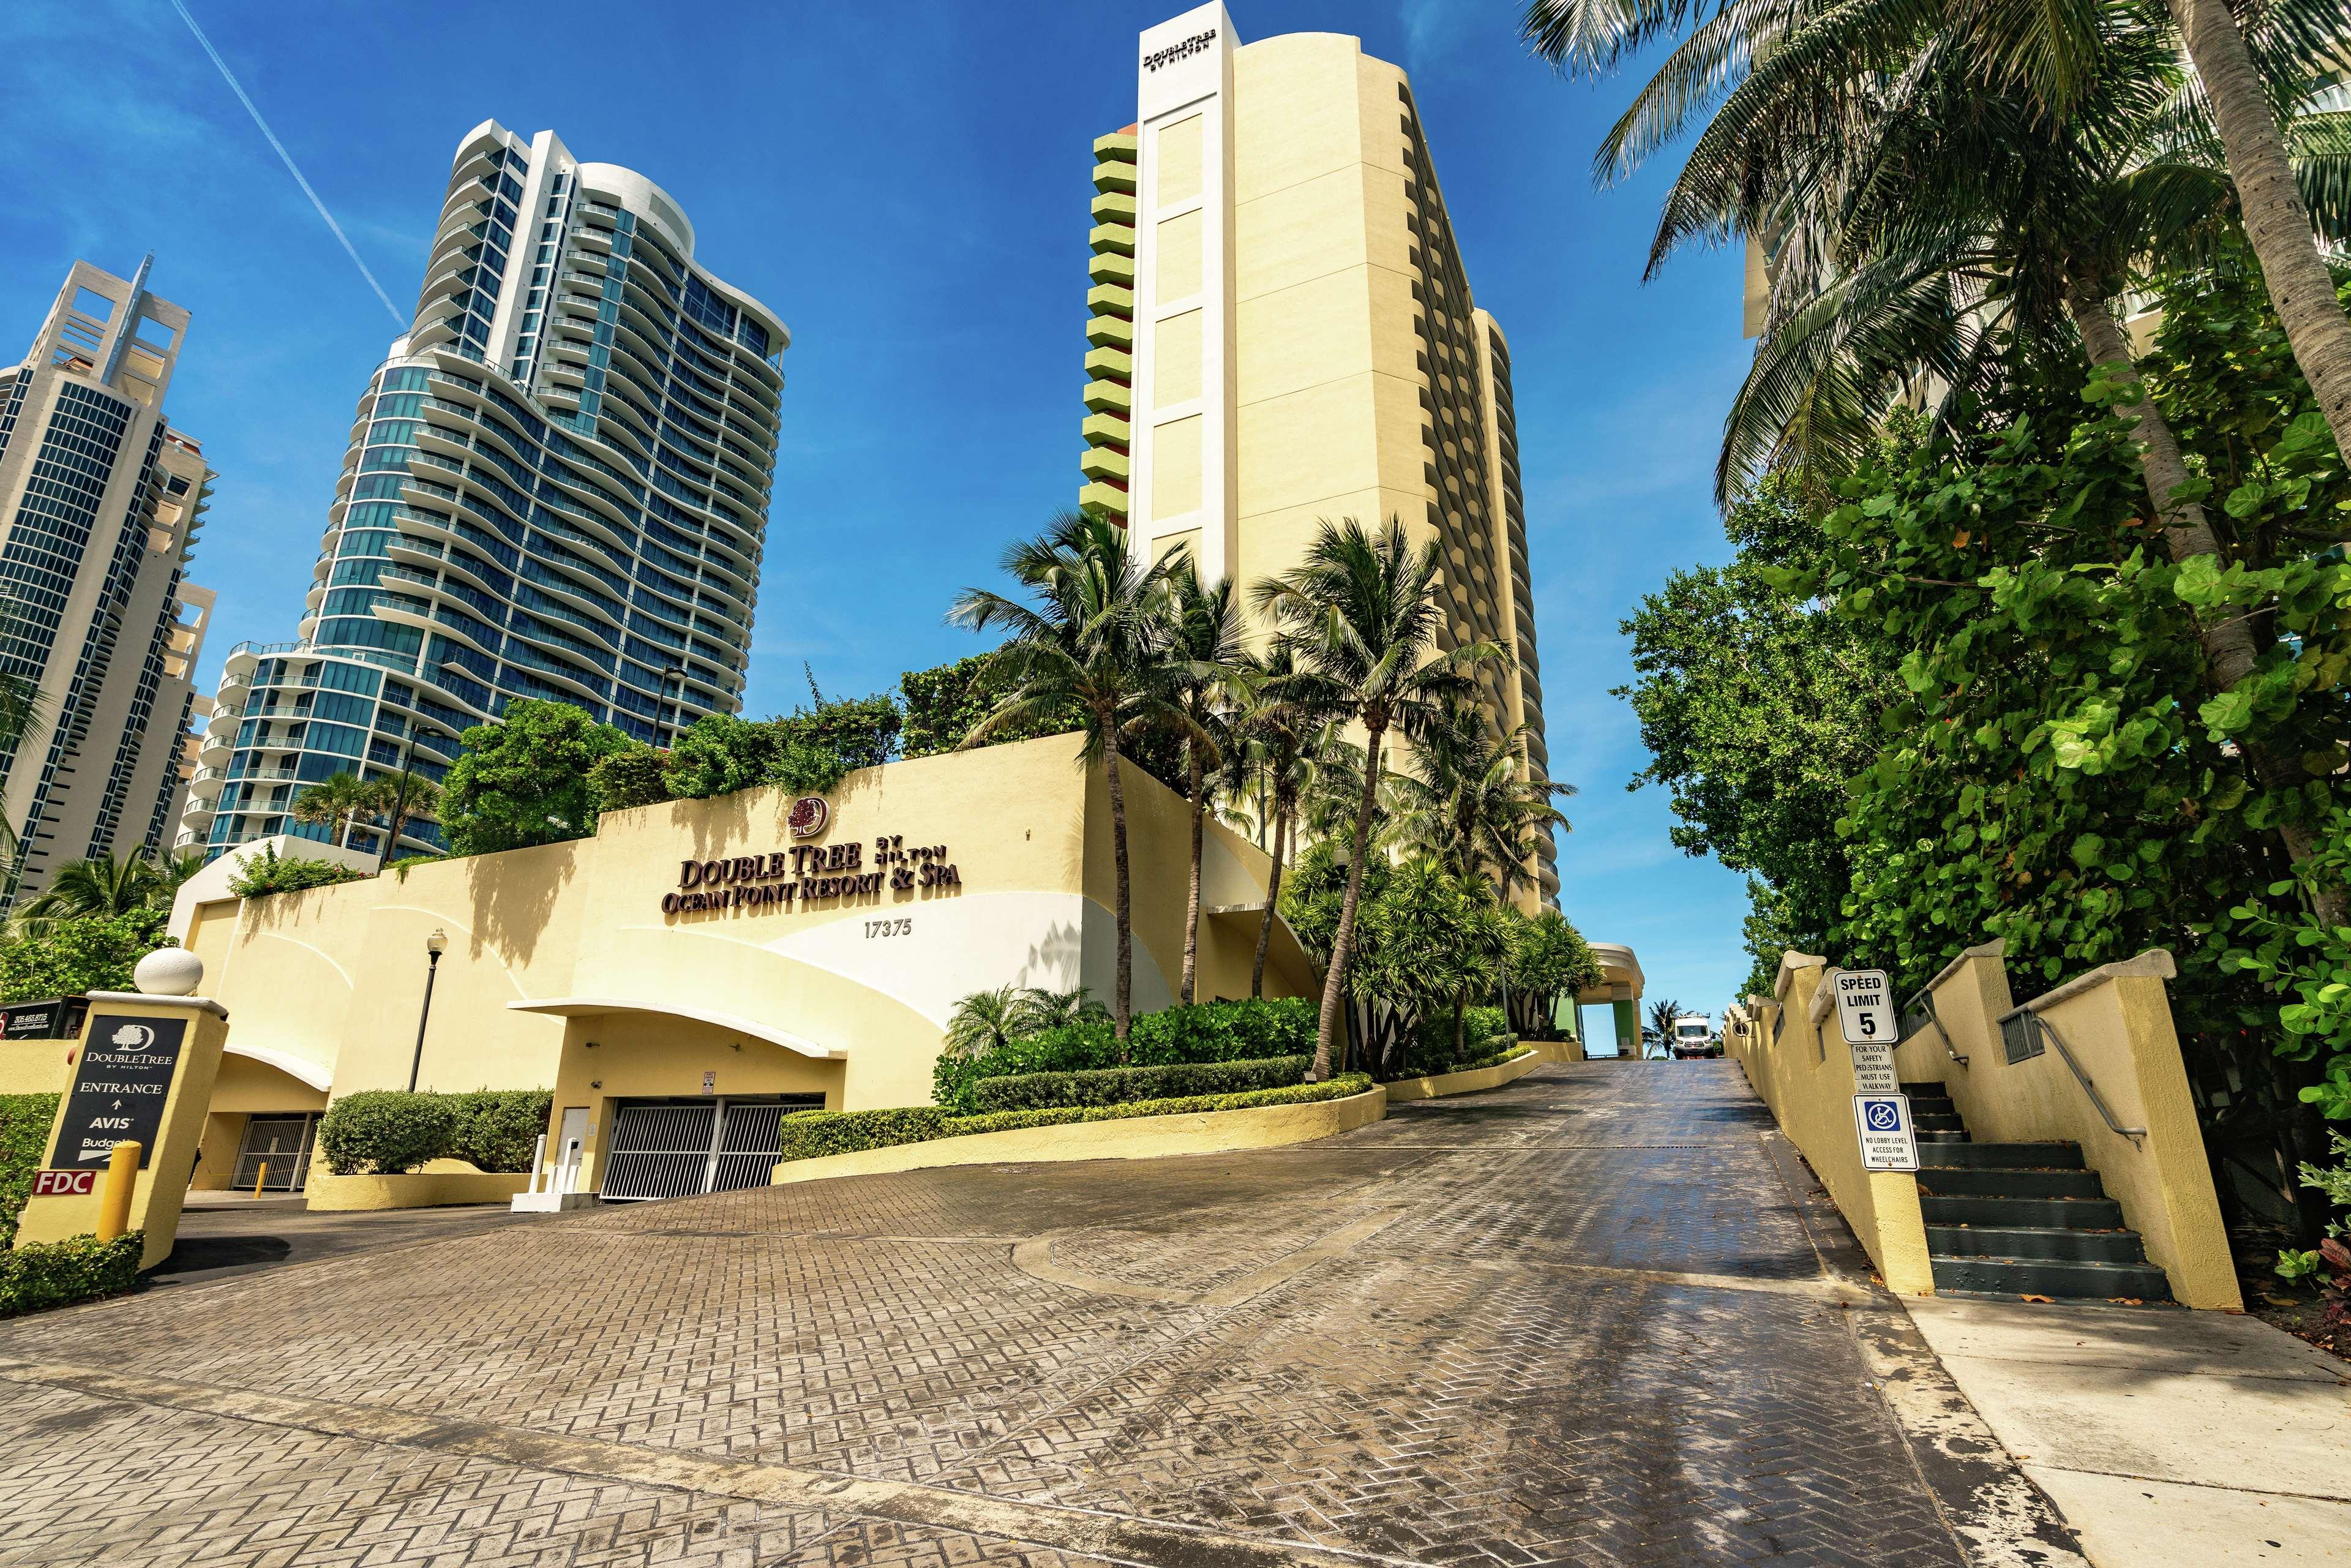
(1580,1319)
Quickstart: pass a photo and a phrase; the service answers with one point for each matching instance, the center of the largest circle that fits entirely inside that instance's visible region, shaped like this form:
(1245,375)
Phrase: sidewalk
(2167,1437)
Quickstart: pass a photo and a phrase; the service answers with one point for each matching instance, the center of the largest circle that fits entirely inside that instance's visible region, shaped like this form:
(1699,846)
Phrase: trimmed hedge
(1429,1052)
(807,1134)
(1125,1085)
(60,1273)
(24,1121)
(391,1132)
(1251,1029)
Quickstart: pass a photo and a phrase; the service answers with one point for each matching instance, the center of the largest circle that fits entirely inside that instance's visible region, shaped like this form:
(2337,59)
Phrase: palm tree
(1477,804)
(1361,609)
(97,885)
(1279,719)
(1662,1014)
(1095,641)
(339,800)
(1038,1009)
(1943,221)
(985,1020)
(1203,671)
(400,799)
(172,870)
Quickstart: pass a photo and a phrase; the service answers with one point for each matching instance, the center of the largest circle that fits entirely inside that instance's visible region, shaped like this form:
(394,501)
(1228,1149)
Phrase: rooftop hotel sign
(808,874)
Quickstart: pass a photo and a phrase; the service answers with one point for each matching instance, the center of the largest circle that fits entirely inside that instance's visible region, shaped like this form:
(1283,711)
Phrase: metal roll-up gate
(680,1148)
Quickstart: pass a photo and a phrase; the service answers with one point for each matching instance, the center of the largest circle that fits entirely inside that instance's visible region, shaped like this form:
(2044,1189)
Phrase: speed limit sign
(1865,1005)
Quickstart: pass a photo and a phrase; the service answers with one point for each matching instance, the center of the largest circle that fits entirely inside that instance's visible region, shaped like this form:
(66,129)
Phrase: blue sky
(909,191)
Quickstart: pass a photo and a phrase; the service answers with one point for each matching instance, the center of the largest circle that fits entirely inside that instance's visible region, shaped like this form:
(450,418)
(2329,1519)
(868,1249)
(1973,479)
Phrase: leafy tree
(1361,611)
(97,885)
(636,776)
(1756,706)
(1095,636)
(946,703)
(80,952)
(525,779)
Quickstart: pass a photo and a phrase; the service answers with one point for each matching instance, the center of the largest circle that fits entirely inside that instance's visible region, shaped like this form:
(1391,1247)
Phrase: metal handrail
(1925,1000)
(2138,1135)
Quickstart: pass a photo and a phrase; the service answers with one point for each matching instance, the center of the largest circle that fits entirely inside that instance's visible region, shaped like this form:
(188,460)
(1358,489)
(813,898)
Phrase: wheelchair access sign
(1887,1140)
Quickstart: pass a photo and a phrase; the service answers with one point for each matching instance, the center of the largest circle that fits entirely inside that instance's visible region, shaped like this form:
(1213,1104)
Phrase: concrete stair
(2019,1219)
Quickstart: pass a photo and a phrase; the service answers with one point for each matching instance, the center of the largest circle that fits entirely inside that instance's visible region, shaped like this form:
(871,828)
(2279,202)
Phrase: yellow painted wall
(2117,1022)
(1803,1072)
(35,1066)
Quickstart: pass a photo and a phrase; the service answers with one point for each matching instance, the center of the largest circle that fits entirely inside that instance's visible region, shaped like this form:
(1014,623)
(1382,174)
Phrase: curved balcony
(205,783)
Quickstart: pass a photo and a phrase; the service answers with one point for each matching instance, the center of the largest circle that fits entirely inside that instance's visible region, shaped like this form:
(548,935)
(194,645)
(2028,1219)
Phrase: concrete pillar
(1628,1027)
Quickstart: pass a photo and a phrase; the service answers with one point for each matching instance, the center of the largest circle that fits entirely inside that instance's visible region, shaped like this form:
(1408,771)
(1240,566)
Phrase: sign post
(142,1074)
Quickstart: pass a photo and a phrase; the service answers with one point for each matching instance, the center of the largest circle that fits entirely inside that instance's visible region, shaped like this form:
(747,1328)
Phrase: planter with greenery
(1123,1085)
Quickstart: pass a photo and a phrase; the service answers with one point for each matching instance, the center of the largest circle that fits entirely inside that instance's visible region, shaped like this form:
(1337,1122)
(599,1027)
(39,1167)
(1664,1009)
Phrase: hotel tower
(101,503)
(1282,332)
(556,486)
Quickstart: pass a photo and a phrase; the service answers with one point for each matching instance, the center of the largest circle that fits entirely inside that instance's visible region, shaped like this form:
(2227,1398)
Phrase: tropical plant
(339,800)
(99,885)
(525,779)
(1279,722)
(1662,1014)
(1360,609)
(1473,798)
(258,876)
(400,799)
(1095,638)
(1549,963)
(80,952)
(946,703)
(1204,670)
(1040,1009)
(985,1020)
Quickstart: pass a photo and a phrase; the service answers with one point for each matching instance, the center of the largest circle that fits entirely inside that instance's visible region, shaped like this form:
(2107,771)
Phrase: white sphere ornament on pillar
(168,972)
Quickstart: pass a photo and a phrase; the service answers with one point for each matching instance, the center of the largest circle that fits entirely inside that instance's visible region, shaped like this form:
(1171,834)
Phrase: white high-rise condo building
(101,502)
(557,487)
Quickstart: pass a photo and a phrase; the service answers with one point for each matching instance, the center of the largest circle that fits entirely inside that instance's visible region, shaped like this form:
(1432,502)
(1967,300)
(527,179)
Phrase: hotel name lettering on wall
(1183,51)
(809,874)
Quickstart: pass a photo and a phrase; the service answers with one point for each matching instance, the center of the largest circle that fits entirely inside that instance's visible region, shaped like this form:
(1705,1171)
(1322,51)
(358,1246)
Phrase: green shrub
(496,1129)
(269,872)
(809,1134)
(806,1135)
(386,1131)
(24,1121)
(1246,1031)
(1125,1085)
(80,952)
(1430,1051)
(59,1273)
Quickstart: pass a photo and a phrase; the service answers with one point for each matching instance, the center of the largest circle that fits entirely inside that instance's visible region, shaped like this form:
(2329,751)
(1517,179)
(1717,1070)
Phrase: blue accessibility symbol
(1884,1116)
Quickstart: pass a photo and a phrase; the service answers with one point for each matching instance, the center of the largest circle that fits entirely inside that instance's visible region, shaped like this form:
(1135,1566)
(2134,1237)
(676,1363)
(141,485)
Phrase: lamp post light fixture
(435,946)
(675,672)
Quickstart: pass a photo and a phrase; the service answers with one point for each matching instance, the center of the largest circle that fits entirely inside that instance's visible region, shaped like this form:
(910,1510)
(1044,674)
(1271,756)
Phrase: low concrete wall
(1129,1138)
(2116,1021)
(35,1066)
(1468,1083)
(442,1184)
(1805,1076)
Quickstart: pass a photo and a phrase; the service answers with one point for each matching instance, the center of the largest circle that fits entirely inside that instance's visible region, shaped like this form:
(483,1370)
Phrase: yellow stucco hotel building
(1283,333)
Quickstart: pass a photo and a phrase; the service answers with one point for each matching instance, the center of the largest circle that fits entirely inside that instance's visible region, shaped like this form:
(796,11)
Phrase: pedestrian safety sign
(1887,1140)
(1865,1005)
(1873,1070)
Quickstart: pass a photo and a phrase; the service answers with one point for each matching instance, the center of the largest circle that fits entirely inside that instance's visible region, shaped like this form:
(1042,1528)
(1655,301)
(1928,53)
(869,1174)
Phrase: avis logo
(132,1037)
(809,816)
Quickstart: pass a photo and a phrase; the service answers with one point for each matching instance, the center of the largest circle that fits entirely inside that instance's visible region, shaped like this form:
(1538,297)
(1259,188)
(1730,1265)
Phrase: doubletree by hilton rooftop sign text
(808,874)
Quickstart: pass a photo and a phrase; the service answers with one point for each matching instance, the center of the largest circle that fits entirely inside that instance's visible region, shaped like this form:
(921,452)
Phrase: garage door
(679,1148)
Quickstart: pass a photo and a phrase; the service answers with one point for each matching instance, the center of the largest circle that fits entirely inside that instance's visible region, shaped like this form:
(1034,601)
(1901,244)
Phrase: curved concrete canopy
(318,1075)
(588,1006)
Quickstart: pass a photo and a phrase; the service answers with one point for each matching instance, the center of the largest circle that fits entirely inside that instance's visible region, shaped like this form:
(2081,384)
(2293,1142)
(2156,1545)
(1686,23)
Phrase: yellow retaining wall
(1803,1072)
(440,1184)
(2118,1023)
(1131,1138)
(35,1066)
(1469,1082)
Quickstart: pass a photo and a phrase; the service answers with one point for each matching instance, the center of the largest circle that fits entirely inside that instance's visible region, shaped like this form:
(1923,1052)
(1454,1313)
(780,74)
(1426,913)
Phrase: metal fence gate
(275,1155)
(678,1148)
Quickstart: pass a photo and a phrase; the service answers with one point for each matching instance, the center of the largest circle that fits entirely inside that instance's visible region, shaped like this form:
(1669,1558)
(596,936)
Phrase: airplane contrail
(288,159)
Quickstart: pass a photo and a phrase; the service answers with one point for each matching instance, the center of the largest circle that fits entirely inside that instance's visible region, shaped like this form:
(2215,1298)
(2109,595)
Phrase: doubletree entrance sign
(1865,1005)
(118,1088)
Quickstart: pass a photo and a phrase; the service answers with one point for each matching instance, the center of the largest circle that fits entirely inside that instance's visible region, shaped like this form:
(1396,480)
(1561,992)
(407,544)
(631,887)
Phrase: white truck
(1694,1036)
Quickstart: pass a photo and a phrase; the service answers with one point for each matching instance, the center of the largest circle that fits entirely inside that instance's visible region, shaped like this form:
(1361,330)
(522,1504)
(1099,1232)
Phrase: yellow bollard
(258,1180)
(114,1201)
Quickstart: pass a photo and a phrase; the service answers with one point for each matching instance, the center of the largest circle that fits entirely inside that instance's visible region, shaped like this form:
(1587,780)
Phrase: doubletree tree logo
(809,816)
(131,1037)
